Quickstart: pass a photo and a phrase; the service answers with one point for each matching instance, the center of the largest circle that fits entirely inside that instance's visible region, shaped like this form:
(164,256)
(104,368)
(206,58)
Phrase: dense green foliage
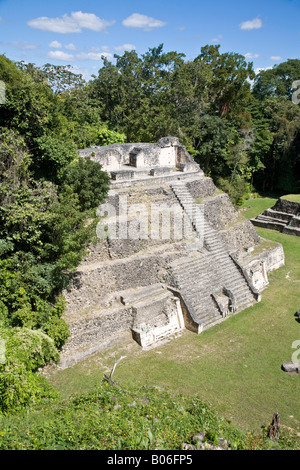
(243,138)
(46,196)
(26,351)
(132,419)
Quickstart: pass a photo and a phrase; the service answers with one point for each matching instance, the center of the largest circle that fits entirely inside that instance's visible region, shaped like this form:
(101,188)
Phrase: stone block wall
(290,207)
(90,287)
(219,211)
(241,237)
(201,189)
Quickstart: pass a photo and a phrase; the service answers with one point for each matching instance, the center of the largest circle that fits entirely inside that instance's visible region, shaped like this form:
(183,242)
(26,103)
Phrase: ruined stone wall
(98,332)
(241,237)
(99,153)
(274,258)
(150,204)
(284,205)
(91,287)
(145,157)
(168,152)
(100,326)
(219,211)
(201,189)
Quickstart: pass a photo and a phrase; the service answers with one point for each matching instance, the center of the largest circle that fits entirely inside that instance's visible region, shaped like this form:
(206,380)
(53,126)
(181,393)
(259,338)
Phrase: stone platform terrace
(284,216)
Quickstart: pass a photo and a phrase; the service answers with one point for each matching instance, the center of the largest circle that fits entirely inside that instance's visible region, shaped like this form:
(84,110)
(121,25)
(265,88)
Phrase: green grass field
(253,207)
(292,197)
(234,366)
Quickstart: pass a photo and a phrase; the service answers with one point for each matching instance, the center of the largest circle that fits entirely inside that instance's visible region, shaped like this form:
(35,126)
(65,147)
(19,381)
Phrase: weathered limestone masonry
(175,255)
(284,217)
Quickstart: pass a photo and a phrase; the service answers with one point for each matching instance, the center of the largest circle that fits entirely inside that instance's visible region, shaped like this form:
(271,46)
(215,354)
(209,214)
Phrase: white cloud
(71,47)
(91,21)
(94,49)
(24,45)
(70,24)
(260,69)
(217,39)
(126,47)
(94,56)
(20,45)
(105,50)
(55,45)
(250,55)
(62,25)
(60,55)
(251,24)
(86,74)
(276,57)
(136,20)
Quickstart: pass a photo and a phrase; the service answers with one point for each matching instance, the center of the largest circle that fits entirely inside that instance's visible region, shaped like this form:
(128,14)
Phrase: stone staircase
(204,276)
(193,280)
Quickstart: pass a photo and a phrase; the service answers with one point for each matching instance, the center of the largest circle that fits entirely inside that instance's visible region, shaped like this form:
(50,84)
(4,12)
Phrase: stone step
(242,299)
(189,274)
(147,301)
(267,224)
(142,294)
(266,218)
(199,279)
(205,311)
(194,287)
(277,214)
(241,290)
(197,294)
(237,288)
(208,325)
(189,266)
(233,276)
(234,281)
(292,230)
(216,249)
(210,319)
(193,279)
(228,271)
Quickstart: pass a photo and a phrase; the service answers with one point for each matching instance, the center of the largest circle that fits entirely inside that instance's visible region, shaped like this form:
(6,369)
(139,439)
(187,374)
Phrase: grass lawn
(254,207)
(292,197)
(234,366)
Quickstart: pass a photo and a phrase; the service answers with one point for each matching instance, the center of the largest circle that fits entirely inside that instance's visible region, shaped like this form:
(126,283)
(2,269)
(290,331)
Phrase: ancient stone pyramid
(172,253)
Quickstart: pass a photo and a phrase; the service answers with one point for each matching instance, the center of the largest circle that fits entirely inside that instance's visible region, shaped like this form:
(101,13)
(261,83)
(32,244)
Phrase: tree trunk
(273,428)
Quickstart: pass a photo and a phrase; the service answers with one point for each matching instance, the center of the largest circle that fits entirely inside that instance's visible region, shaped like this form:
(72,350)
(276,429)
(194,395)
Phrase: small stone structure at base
(284,217)
(156,313)
(172,254)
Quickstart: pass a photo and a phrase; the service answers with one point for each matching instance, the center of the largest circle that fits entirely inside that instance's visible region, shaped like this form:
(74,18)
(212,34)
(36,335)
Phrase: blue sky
(79,32)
